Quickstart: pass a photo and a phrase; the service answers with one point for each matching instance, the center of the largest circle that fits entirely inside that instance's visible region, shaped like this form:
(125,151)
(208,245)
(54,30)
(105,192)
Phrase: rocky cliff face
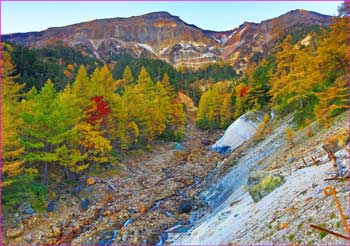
(164,36)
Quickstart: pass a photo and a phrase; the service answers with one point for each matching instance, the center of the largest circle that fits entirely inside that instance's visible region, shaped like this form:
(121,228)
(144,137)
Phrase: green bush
(262,184)
(24,188)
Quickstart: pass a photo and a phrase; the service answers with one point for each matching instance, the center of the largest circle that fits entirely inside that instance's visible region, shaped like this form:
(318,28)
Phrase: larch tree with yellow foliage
(12,162)
(126,80)
(102,83)
(284,58)
(176,116)
(332,59)
(333,101)
(215,106)
(82,90)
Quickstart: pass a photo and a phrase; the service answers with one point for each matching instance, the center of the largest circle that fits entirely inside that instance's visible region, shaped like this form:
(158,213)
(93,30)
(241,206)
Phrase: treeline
(193,80)
(49,133)
(56,62)
(60,63)
(308,78)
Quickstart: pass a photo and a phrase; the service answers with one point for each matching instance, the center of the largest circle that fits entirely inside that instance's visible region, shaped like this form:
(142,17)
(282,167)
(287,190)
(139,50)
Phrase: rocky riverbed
(152,193)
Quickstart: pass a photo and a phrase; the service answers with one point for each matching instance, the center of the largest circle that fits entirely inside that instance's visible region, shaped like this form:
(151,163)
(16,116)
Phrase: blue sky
(218,16)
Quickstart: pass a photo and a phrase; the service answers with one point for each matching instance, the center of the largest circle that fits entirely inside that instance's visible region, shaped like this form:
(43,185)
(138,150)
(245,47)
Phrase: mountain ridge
(164,36)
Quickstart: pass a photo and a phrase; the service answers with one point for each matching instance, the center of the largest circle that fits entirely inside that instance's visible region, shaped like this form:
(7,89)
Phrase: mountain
(164,36)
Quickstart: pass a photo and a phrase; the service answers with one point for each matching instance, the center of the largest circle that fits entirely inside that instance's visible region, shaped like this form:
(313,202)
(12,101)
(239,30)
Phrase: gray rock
(185,206)
(29,211)
(15,232)
(84,203)
(24,206)
(178,146)
(125,237)
(290,160)
(51,206)
(28,238)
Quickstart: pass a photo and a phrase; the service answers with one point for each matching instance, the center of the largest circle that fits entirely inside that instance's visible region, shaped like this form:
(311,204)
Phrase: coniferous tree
(127,76)
(285,57)
(81,89)
(44,129)
(12,163)
(169,88)
(127,79)
(259,85)
(241,104)
(333,101)
(103,84)
(214,110)
(175,113)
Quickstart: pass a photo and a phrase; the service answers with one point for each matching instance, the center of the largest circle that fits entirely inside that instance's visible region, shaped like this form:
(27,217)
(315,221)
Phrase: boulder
(51,206)
(206,142)
(76,229)
(67,234)
(28,238)
(125,236)
(15,232)
(49,234)
(178,146)
(185,206)
(77,189)
(24,206)
(56,232)
(225,149)
(84,204)
(29,211)
(238,132)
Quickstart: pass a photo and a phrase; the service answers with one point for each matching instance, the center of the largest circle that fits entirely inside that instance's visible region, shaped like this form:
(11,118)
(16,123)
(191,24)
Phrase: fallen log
(337,178)
(304,162)
(316,162)
(336,162)
(111,186)
(331,155)
(330,232)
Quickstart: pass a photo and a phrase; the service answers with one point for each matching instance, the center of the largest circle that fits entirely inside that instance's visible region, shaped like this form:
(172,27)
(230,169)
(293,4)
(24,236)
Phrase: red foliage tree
(243,91)
(98,112)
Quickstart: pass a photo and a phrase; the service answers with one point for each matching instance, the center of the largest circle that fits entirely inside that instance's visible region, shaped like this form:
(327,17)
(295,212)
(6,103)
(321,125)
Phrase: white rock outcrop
(238,132)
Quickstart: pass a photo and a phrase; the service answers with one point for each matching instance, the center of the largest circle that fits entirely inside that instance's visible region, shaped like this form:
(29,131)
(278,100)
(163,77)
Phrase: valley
(147,130)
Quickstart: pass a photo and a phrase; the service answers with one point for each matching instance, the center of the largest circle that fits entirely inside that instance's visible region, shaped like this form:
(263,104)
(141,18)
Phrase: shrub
(337,140)
(24,188)
(290,133)
(263,128)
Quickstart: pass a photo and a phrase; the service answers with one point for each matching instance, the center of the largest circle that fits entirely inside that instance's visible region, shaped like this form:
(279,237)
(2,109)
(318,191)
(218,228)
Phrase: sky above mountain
(217,16)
